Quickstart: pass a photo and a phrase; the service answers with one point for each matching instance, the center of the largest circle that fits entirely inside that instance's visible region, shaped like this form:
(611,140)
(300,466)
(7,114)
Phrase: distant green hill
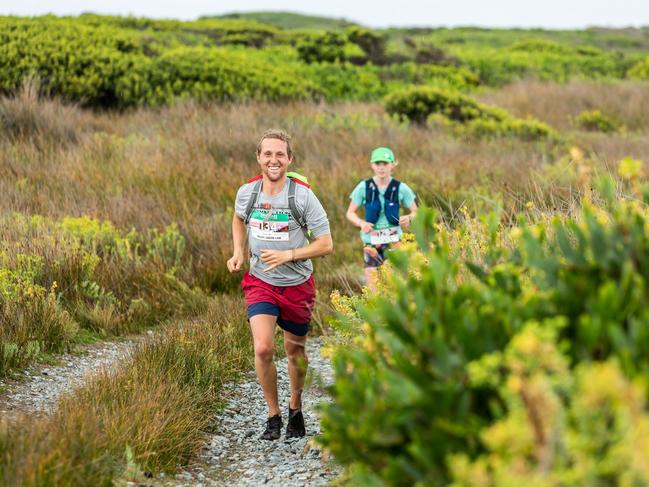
(290,20)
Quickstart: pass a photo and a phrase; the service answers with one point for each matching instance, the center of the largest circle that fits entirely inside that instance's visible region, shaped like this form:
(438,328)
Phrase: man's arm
(322,245)
(235,263)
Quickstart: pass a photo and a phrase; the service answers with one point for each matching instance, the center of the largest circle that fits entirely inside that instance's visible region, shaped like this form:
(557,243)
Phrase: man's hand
(367,227)
(235,263)
(274,258)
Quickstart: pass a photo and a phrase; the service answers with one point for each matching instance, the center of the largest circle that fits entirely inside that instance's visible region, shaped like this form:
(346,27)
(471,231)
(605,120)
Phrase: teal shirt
(406,199)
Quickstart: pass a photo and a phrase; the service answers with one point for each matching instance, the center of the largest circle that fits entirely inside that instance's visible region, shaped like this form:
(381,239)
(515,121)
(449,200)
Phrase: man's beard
(275,178)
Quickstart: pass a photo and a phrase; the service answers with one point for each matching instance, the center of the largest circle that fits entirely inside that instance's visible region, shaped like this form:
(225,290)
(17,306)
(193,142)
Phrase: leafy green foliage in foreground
(523,363)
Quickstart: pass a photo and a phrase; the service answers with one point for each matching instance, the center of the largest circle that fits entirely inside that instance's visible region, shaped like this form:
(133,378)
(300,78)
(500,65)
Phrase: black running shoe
(273,428)
(295,426)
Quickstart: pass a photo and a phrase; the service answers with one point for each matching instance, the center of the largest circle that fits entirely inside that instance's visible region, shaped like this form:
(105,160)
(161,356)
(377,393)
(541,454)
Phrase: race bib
(269,226)
(384,236)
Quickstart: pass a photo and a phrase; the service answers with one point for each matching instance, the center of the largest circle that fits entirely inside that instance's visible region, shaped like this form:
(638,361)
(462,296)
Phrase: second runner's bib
(384,236)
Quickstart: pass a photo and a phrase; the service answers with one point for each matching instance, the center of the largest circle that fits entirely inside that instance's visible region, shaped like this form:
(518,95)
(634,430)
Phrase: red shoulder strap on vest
(299,181)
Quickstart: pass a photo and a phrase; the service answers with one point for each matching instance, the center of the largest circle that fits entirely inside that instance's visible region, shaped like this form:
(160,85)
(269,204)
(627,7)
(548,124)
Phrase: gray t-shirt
(272,227)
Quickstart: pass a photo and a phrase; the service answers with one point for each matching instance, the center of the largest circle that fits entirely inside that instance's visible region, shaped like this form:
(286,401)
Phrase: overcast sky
(378,13)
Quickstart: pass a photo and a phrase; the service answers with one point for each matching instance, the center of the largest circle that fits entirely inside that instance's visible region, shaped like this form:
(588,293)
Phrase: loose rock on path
(236,456)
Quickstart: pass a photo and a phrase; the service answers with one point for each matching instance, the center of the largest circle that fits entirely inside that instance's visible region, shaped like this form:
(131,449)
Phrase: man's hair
(277,134)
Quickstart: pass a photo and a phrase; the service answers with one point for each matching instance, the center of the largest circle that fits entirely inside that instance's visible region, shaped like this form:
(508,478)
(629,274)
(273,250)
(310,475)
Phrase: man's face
(273,158)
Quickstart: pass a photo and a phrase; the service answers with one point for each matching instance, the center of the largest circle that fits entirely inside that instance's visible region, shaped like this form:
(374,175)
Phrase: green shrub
(345,81)
(409,73)
(548,62)
(418,103)
(76,62)
(373,44)
(216,74)
(594,120)
(327,47)
(409,397)
(462,113)
(540,45)
(640,70)
(526,129)
(31,320)
(562,425)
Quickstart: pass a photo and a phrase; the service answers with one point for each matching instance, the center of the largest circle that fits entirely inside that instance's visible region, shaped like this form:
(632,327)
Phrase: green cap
(382,154)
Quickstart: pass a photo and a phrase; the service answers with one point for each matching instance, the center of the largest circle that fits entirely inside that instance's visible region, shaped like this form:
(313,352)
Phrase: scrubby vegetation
(501,356)
(122,62)
(463,113)
(148,417)
(122,144)
(595,120)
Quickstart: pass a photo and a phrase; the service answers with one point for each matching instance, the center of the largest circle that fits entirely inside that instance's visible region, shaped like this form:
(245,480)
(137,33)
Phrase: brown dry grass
(150,168)
(559,104)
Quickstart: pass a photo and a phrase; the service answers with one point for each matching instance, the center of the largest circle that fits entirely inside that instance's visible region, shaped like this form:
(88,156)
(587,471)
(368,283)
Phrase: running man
(277,212)
(383,197)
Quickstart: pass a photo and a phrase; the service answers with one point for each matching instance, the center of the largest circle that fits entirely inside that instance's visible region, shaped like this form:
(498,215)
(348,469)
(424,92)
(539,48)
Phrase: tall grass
(150,168)
(144,171)
(157,407)
(58,276)
(560,104)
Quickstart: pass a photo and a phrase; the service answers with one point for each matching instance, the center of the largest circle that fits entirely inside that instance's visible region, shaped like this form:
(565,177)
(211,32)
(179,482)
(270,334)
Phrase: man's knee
(295,352)
(264,351)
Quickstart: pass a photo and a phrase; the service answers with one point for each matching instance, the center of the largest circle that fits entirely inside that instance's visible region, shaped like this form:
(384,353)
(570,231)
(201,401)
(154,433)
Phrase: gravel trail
(40,386)
(236,456)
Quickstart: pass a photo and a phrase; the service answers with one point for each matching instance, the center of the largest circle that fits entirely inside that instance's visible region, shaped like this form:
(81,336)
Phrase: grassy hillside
(290,20)
(120,62)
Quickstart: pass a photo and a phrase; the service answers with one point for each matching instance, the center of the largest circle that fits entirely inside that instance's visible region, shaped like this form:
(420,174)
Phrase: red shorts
(292,305)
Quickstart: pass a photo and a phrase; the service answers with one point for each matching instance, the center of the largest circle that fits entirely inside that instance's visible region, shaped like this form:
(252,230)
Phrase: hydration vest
(373,203)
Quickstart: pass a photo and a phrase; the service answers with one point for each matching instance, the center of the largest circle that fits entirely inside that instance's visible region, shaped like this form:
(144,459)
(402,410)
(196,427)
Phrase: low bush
(419,104)
(58,276)
(216,74)
(76,62)
(545,61)
(467,364)
(31,320)
(640,70)
(372,43)
(525,129)
(327,47)
(596,121)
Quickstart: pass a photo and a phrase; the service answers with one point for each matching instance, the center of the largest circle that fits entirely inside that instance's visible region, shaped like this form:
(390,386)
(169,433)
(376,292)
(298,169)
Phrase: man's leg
(263,336)
(297,366)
